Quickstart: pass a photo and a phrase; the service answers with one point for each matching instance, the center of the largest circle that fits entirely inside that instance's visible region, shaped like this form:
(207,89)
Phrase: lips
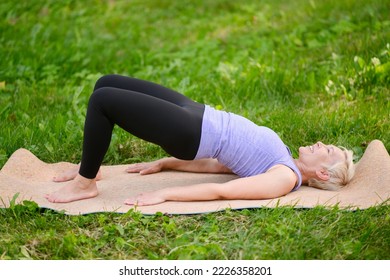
(311,149)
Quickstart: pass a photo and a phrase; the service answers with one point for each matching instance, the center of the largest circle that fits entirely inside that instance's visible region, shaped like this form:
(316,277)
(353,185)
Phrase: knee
(99,96)
(104,81)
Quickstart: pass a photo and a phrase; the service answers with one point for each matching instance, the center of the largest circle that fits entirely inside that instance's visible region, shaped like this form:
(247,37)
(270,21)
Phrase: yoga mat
(29,177)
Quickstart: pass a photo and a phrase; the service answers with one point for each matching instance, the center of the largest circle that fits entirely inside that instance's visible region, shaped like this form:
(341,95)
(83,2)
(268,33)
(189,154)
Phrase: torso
(244,147)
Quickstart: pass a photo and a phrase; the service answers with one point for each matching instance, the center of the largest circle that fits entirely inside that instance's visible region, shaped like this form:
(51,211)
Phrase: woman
(200,139)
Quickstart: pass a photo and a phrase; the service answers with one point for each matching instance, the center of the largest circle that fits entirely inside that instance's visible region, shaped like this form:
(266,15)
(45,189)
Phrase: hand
(145,168)
(144,199)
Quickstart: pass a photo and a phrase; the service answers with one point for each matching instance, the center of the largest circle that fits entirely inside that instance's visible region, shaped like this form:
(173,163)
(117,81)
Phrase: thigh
(175,128)
(145,87)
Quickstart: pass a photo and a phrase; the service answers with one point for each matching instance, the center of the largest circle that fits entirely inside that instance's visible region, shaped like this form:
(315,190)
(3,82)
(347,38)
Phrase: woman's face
(319,154)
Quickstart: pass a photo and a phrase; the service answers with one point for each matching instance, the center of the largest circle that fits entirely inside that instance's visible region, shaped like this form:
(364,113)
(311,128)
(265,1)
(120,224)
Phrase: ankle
(84,182)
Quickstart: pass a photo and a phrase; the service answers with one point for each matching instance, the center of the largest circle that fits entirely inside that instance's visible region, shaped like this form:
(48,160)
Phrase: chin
(305,150)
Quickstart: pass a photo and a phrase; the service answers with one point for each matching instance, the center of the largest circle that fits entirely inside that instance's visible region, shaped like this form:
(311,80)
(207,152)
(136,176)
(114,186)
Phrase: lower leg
(82,179)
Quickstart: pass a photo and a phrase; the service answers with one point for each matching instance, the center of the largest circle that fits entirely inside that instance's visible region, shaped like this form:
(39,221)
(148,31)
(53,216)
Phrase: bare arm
(276,182)
(198,166)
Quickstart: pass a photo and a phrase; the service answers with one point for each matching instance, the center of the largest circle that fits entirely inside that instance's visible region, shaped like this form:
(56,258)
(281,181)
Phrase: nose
(319,143)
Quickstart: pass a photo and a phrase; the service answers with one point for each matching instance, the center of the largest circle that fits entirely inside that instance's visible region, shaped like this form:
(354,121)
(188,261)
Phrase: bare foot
(144,199)
(78,189)
(70,174)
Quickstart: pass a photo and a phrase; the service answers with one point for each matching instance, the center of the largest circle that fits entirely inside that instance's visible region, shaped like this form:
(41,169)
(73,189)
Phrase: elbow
(221,192)
(225,192)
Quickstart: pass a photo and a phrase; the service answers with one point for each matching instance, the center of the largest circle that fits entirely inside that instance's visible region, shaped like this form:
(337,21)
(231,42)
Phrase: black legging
(147,110)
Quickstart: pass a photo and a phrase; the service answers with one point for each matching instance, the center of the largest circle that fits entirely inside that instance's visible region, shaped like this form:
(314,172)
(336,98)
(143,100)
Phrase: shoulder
(286,176)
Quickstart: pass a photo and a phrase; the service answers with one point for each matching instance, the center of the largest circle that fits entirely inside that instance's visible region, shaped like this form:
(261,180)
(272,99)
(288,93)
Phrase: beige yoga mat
(24,174)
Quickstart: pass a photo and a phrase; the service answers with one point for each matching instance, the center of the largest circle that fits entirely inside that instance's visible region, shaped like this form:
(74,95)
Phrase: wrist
(165,194)
(167,163)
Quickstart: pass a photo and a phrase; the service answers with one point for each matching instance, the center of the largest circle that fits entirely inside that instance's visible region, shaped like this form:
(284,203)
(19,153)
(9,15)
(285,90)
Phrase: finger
(146,171)
(134,168)
(130,201)
(134,202)
(131,170)
(149,170)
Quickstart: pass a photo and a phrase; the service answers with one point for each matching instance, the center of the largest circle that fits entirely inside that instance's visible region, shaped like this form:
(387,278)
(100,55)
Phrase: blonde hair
(340,174)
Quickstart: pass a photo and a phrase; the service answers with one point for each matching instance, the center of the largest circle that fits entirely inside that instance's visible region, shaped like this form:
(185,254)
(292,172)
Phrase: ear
(323,174)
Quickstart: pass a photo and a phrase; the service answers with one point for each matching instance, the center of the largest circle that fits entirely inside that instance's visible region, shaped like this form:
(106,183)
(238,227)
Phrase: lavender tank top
(244,147)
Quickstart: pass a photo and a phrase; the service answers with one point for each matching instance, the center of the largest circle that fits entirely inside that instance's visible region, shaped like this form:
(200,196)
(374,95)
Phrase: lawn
(311,70)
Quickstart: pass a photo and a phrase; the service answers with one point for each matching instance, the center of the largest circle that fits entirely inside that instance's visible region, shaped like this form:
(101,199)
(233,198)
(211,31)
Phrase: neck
(302,168)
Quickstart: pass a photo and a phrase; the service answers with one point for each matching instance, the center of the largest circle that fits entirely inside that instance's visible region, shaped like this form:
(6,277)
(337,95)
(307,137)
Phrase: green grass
(311,70)
(281,233)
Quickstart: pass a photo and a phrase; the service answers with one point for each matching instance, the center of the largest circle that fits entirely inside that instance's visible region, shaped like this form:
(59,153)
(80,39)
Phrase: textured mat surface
(31,178)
